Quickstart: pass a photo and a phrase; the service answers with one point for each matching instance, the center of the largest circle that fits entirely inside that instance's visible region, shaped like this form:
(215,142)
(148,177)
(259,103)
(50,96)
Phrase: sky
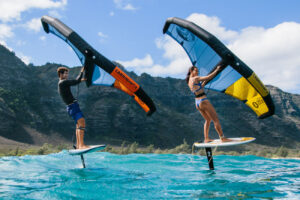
(265,34)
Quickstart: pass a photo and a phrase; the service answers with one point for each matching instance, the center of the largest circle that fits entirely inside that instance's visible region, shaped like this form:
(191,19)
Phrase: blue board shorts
(74,111)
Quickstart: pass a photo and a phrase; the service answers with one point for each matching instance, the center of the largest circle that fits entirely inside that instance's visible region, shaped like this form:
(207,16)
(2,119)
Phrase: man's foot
(224,139)
(83,147)
(208,140)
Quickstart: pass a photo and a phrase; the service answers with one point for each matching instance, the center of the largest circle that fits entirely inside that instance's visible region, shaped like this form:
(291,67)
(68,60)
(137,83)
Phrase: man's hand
(80,75)
(82,69)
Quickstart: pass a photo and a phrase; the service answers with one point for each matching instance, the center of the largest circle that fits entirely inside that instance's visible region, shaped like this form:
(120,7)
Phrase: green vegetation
(43,150)
(184,148)
(15,100)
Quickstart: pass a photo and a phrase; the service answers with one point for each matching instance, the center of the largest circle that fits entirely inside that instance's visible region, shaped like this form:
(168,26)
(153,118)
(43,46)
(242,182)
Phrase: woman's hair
(61,70)
(189,73)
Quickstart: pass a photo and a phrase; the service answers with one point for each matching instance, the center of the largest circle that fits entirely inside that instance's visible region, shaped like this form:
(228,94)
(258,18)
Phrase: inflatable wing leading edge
(98,69)
(206,52)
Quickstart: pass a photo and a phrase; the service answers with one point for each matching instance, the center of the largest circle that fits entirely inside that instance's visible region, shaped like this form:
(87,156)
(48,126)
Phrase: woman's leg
(211,112)
(206,124)
(206,131)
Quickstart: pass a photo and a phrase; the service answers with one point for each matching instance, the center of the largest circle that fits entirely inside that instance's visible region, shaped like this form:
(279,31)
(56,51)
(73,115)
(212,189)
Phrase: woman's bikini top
(196,90)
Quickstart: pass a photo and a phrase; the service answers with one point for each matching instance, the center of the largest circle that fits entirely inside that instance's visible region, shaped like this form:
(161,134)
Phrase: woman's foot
(224,139)
(208,140)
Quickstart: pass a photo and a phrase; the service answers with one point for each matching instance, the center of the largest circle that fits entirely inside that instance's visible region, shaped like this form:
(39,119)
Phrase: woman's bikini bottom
(198,101)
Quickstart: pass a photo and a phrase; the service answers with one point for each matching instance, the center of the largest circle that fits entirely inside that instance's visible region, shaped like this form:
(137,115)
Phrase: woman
(196,84)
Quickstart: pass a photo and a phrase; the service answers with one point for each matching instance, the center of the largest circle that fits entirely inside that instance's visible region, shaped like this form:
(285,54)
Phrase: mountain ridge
(29,98)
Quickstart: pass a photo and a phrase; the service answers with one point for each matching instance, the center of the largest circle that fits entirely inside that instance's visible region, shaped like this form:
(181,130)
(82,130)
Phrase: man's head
(63,72)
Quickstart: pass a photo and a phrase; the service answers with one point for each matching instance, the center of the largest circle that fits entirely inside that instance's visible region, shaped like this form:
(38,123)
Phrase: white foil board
(92,148)
(218,143)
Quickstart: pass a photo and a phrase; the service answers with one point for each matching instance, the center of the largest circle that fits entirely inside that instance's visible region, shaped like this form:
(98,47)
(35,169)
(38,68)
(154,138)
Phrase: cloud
(20,43)
(11,10)
(54,13)
(124,5)
(3,43)
(212,25)
(146,64)
(128,7)
(43,38)
(102,36)
(34,24)
(5,31)
(136,62)
(174,53)
(111,13)
(272,53)
(25,59)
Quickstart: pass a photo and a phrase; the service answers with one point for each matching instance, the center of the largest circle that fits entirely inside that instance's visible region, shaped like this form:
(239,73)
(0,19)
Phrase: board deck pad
(92,148)
(218,143)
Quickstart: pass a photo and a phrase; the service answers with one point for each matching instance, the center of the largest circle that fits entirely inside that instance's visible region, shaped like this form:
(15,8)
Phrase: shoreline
(253,149)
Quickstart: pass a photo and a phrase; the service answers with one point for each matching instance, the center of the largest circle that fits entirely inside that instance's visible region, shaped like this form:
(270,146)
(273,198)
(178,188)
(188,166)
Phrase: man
(64,89)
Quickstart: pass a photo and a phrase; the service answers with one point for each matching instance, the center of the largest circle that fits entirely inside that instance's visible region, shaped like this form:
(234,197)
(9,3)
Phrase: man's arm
(75,81)
(79,77)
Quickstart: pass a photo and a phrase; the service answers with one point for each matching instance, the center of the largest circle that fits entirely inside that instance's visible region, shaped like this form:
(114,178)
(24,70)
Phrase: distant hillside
(31,106)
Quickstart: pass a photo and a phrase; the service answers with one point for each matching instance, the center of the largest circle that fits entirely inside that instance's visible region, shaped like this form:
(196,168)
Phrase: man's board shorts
(74,111)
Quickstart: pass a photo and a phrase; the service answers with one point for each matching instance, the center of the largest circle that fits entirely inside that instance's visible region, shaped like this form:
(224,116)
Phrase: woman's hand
(218,68)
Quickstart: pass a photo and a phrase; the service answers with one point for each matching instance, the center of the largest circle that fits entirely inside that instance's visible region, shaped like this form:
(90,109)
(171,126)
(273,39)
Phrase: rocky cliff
(29,103)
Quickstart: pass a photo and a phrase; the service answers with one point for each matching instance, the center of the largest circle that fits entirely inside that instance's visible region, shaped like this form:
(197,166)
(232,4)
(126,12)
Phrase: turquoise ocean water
(148,176)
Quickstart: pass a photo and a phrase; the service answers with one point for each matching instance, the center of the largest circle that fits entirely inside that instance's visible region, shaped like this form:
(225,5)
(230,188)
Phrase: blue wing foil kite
(98,69)
(206,52)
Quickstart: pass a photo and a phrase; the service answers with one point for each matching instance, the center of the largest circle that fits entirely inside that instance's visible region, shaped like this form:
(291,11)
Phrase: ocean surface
(148,176)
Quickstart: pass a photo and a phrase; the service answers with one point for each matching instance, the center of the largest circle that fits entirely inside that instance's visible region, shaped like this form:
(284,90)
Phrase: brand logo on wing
(185,34)
(124,79)
(256,82)
(258,102)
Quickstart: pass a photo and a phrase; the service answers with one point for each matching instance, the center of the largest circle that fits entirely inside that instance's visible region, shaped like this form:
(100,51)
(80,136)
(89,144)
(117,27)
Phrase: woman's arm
(209,77)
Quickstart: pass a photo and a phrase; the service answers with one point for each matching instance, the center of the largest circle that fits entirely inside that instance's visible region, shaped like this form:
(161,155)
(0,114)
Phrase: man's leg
(80,133)
(77,135)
